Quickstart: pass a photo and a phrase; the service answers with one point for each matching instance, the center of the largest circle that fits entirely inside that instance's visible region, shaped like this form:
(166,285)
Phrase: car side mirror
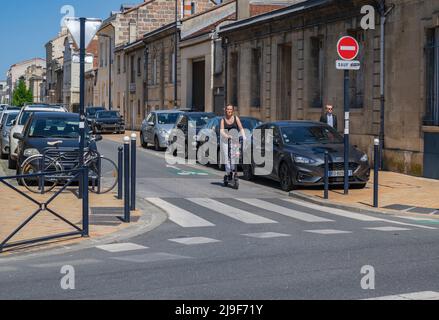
(276,141)
(151,124)
(98,138)
(18,136)
(14,122)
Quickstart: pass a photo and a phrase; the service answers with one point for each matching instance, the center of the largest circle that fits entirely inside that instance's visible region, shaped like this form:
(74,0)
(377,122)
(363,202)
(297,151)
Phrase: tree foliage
(22,95)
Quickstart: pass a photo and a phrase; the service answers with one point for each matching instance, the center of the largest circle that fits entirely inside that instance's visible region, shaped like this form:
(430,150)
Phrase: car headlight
(364,158)
(163,132)
(31,152)
(303,160)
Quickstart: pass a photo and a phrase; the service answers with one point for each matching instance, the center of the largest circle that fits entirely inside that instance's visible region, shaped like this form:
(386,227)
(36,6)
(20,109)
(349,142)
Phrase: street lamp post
(175,55)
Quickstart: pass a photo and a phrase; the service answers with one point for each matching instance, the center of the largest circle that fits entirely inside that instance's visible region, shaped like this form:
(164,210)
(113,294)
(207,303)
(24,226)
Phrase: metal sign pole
(346,131)
(81,101)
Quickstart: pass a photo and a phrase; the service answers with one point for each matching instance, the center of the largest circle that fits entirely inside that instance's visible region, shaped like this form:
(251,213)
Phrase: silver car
(156,128)
(7,119)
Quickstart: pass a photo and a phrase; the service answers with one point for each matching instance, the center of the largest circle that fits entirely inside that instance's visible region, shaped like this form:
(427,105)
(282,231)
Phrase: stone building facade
(34,77)
(4,98)
(281,65)
(129,25)
(55,61)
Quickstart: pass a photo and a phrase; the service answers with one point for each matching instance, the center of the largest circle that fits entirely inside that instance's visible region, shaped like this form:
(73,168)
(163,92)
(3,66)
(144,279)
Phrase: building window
(139,67)
(172,68)
(154,71)
(432,50)
(234,65)
(133,70)
(124,64)
(138,108)
(357,83)
(255,76)
(101,54)
(316,75)
(118,64)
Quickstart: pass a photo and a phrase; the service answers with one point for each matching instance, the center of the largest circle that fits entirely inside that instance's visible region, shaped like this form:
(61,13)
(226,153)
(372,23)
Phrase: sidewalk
(397,192)
(105,211)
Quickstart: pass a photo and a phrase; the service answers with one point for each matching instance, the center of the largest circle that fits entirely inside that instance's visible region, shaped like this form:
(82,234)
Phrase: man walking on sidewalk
(329,117)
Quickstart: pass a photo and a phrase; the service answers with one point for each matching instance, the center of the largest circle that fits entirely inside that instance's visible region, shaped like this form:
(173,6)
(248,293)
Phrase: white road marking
(121,247)
(266,235)
(73,263)
(230,211)
(151,257)
(352,215)
(180,216)
(328,231)
(422,295)
(417,219)
(194,240)
(388,229)
(284,211)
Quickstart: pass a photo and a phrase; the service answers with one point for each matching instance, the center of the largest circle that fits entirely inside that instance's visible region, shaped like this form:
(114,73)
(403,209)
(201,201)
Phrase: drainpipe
(383,18)
(226,66)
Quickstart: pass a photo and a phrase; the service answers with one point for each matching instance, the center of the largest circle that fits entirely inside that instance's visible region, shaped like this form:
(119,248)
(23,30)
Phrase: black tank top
(229,127)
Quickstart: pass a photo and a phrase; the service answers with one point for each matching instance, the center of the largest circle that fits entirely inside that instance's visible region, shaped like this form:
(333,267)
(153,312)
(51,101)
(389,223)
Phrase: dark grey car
(298,156)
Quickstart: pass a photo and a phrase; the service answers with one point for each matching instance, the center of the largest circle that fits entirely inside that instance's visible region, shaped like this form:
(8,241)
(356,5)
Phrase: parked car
(48,130)
(213,128)
(18,125)
(90,113)
(108,121)
(298,156)
(186,119)
(6,121)
(156,128)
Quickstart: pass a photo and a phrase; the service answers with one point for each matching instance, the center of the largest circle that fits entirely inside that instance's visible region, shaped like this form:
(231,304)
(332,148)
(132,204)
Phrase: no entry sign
(348,48)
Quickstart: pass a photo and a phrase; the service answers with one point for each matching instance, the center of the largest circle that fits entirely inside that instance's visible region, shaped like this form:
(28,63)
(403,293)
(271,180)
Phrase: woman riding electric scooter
(229,123)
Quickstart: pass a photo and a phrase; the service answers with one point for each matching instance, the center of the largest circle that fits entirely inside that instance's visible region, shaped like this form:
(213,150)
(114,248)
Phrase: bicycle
(103,173)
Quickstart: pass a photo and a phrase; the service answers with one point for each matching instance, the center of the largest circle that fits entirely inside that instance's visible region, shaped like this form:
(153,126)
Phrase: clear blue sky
(27,25)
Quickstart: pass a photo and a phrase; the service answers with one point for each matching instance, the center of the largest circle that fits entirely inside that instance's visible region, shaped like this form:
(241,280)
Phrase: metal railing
(80,174)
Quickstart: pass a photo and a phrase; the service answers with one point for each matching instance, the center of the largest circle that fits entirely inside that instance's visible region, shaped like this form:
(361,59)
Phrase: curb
(151,218)
(327,203)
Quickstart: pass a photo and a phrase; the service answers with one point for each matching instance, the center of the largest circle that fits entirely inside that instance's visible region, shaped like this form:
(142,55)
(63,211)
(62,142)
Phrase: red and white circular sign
(348,48)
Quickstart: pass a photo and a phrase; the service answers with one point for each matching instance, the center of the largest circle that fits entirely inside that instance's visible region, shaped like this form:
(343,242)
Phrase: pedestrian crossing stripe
(180,216)
(229,211)
(284,211)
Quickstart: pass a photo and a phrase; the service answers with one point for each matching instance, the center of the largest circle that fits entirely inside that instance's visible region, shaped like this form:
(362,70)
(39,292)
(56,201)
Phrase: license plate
(340,173)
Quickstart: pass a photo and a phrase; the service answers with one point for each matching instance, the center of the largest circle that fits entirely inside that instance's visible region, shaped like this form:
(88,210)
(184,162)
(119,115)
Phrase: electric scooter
(233,179)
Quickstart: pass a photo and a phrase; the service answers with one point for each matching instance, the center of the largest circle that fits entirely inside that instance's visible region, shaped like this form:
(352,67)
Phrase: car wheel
(4,155)
(142,141)
(359,186)
(19,181)
(156,144)
(12,164)
(286,181)
(247,171)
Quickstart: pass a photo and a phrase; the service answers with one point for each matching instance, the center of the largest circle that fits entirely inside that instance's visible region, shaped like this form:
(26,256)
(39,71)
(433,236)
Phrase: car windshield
(92,112)
(249,123)
(167,118)
(24,116)
(310,135)
(107,114)
(9,119)
(200,119)
(54,128)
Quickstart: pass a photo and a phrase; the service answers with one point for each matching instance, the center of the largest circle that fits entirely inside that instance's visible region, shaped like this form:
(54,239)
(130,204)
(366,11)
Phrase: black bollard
(85,213)
(326,175)
(133,171)
(376,170)
(120,173)
(127,179)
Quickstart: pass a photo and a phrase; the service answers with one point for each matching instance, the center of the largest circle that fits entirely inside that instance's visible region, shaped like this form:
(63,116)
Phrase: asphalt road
(255,243)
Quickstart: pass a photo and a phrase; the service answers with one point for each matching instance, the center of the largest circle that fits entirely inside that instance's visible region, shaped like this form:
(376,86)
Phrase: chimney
(243,8)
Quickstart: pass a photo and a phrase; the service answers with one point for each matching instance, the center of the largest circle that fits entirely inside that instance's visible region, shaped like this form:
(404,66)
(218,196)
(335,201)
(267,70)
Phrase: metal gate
(431,155)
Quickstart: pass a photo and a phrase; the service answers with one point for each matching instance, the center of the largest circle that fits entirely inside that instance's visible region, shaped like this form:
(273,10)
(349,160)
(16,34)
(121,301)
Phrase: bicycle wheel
(34,165)
(103,175)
